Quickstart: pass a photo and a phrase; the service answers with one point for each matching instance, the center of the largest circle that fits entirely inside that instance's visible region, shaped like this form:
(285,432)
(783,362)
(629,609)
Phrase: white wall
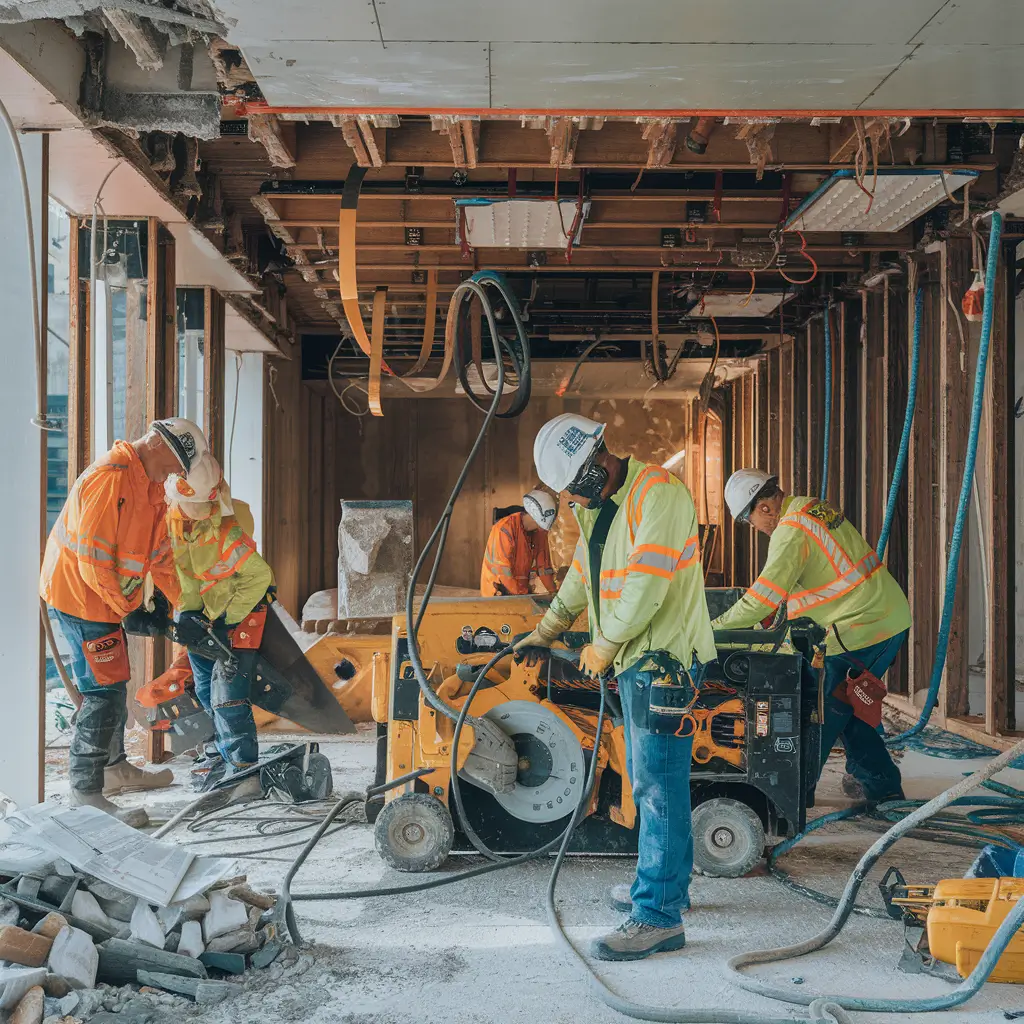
(21,752)
(243,458)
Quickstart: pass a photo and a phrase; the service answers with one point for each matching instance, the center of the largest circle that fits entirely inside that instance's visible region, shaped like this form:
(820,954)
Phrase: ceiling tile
(271,21)
(980,21)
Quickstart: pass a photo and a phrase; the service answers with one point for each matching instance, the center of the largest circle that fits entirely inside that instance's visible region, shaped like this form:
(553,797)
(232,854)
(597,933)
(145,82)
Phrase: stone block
(244,893)
(229,963)
(121,961)
(50,925)
(9,912)
(375,554)
(145,926)
(21,947)
(15,982)
(74,958)
(85,906)
(30,1008)
(190,942)
(225,915)
(241,940)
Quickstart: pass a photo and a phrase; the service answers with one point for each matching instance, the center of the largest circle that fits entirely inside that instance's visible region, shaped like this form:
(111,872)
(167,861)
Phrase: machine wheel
(728,838)
(414,832)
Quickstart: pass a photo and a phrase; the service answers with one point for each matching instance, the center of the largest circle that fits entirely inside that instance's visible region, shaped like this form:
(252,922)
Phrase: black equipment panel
(405,691)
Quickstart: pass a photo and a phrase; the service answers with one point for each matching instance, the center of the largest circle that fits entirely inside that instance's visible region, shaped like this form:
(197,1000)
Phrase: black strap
(595,550)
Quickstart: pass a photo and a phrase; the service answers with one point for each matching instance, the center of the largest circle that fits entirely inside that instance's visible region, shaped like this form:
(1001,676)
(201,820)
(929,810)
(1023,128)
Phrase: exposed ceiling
(644,55)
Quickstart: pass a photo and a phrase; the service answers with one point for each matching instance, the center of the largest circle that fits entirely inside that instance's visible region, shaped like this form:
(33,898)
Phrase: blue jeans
(225,696)
(867,757)
(659,772)
(97,738)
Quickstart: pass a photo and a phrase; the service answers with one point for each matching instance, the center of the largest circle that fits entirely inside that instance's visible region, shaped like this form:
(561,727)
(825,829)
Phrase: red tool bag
(864,692)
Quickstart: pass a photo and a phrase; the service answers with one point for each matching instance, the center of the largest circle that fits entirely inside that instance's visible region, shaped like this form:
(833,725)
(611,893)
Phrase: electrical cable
(970,459)
(908,423)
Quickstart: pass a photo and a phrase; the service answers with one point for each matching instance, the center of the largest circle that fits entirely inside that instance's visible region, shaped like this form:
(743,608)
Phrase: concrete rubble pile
(75,948)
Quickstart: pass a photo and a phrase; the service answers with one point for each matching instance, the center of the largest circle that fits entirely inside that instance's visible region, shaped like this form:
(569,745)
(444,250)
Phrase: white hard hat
(563,446)
(541,508)
(742,488)
(196,492)
(184,438)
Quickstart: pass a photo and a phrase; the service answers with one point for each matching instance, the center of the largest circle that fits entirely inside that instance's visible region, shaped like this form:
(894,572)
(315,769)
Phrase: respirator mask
(591,480)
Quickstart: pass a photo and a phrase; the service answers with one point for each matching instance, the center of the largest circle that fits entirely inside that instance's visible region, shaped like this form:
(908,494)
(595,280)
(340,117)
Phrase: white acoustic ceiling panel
(738,304)
(365,74)
(996,22)
(648,21)
(659,76)
(897,198)
(274,21)
(520,223)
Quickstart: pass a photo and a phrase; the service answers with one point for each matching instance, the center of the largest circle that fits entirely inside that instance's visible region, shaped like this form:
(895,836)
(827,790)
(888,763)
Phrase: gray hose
(957,996)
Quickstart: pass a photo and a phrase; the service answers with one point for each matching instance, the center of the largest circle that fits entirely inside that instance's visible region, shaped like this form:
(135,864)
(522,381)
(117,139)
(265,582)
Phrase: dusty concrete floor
(479,952)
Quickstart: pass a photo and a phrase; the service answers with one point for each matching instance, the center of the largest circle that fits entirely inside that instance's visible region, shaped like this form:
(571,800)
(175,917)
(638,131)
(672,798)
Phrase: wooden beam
(801,454)
(954,416)
(873,405)
(463,135)
(1000,526)
(79,375)
(762,430)
(815,384)
(786,441)
(277,139)
(563,134)
(213,371)
(661,137)
(835,489)
(42,254)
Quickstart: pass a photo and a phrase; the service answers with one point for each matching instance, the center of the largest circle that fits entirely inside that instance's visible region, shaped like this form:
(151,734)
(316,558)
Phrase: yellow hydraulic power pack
(959,916)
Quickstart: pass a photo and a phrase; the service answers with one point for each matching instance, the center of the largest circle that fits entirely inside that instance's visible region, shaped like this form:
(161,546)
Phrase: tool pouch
(672,694)
(248,634)
(864,692)
(108,658)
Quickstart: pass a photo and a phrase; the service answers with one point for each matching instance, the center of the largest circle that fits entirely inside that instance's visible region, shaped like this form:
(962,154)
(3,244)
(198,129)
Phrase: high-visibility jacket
(513,556)
(110,534)
(826,571)
(218,566)
(651,584)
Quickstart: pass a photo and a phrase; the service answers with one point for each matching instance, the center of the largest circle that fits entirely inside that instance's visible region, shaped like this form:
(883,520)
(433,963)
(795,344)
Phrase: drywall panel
(687,76)
(323,73)
(979,21)
(266,21)
(963,77)
(646,21)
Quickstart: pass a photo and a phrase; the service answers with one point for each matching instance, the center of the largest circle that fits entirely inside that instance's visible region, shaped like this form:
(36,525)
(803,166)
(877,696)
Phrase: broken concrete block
(85,906)
(210,992)
(170,982)
(54,985)
(28,885)
(145,926)
(225,915)
(74,958)
(15,982)
(68,1003)
(375,542)
(268,954)
(117,904)
(50,925)
(241,940)
(190,942)
(9,912)
(30,1008)
(192,909)
(22,947)
(121,961)
(247,895)
(230,963)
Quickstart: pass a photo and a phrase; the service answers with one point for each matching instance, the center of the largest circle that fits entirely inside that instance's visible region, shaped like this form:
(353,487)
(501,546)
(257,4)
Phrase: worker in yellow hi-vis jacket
(637,571)
(821,566)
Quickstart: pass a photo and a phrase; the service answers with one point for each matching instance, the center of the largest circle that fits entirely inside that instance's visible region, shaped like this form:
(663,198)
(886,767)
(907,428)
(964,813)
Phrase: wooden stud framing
(953,416)
(786,378)
(213,371)
(835,488)
(79,374)
(762,440)
(815,385)
(43,255)
(798,437)
(1000,639)
(661,139)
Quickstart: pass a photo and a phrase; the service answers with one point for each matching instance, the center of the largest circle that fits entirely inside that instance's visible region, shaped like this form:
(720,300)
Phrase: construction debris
(77,947)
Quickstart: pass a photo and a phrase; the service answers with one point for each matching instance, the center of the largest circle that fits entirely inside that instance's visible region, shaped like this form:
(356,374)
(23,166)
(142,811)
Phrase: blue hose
(827,441)
(908,422)
(949,593)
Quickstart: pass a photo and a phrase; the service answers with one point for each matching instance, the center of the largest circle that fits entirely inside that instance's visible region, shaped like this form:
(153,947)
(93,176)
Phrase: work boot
(633,940)
(852,787)
(124,777)
(136,817)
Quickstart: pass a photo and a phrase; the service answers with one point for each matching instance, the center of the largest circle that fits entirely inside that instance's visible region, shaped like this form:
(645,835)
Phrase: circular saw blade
(551,766)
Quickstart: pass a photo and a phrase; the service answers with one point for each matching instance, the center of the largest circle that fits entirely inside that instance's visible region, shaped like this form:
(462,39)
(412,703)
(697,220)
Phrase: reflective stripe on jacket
(219,568)
(820,564)
(513,555)
(110,534)
(651,587)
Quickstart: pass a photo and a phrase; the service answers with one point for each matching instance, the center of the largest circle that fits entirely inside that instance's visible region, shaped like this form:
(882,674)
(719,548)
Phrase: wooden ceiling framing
(733,182)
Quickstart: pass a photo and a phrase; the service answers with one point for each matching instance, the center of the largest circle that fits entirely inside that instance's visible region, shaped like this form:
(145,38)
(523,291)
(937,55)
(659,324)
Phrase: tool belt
(672,694)
(108,658)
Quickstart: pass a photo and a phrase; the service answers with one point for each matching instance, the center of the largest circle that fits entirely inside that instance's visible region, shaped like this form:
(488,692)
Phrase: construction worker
(106,552)
(637,570)
(224,584)
(822,567)
(517,549)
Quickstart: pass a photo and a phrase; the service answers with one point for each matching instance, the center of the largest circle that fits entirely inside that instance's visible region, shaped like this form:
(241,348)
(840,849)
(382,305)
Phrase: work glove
(547,632)
(596,658)
(493,762)
(151,621)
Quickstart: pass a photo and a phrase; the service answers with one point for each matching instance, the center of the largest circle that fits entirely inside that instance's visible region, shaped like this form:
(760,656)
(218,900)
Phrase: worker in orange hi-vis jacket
(517,549)
(107,556)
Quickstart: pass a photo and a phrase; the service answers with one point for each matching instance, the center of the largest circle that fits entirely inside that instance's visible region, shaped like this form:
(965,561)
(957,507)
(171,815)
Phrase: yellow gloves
(547,631)
(597,656)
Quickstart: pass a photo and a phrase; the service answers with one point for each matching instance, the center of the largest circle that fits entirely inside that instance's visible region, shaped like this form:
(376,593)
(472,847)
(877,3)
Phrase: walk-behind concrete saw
(755,741)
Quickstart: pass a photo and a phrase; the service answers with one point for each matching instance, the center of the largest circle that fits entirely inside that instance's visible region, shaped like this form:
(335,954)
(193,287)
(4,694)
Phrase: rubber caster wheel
(728,838)
(414,833)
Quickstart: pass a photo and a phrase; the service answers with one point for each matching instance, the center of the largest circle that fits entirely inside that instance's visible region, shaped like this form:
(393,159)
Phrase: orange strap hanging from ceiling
(380,299)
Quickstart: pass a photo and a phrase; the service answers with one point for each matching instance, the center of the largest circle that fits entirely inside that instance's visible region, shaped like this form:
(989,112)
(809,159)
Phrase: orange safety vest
(513,556)
(110,534)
